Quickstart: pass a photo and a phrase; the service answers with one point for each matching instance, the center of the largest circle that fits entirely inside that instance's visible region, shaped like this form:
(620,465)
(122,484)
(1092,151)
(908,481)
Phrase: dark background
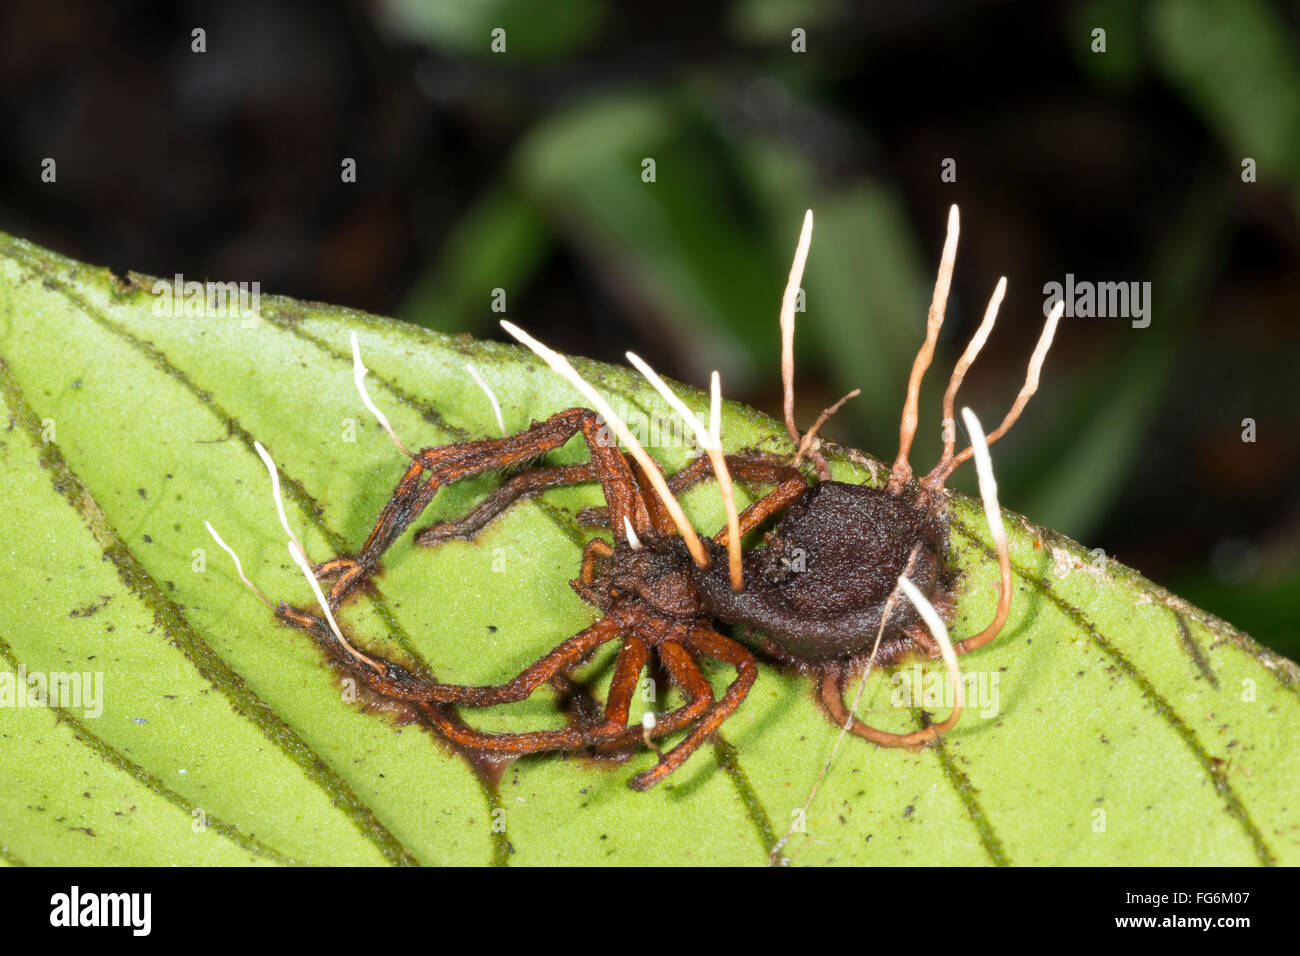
(522,171)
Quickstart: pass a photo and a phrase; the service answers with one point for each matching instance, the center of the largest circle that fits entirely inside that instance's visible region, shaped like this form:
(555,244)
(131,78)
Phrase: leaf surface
(1129,727)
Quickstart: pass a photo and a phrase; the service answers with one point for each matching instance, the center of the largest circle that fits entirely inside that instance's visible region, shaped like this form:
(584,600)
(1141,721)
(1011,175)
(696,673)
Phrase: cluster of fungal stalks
(664,590)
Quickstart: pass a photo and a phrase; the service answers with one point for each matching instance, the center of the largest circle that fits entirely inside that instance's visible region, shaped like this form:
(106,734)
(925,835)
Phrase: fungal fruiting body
(850,575)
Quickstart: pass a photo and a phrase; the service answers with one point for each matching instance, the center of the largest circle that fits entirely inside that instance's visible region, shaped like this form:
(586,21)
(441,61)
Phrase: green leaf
(224,737)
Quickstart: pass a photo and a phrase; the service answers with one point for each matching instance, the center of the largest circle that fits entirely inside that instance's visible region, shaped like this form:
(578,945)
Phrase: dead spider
(823,590)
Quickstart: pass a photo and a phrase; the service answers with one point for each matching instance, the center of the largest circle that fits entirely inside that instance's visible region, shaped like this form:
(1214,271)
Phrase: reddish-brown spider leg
(523,485)
(776,500)
(660,519)
(627,669)
(1000,616)
(594,550)
(832,695)
(598,515)
(686,674)
(613,734)
(450,463)
(711,644)
(756,469)
(396,682)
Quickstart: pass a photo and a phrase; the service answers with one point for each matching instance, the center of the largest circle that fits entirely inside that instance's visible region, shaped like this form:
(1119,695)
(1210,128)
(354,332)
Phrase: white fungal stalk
(492,396)
(789,300)
(988,484)
(940,634)
(560,365)
(275,493)
(300,559)
(968,358)
(648,725)
(902,470)
(711,442)
(239,567)
(359,371)
(715,403)
(296,552)
(632,538)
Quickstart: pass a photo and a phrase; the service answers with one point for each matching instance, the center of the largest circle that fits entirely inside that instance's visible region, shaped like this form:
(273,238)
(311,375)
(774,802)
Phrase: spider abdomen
(820,586)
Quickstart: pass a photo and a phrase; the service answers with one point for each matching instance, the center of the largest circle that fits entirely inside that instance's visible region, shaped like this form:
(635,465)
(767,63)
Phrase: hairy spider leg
(611,735)
(681,665)
(779,498)
(523,485)
(686,674)
(537,480)
(750,469)
(449,463)
(396,682)
(660,519)
(596,549)
(711,644)
(832,696)
(832,684)
(632,659)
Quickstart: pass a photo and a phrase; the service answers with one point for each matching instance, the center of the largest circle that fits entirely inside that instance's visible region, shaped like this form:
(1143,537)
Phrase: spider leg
(686,674)
(712,644)
(782,496)
(394,681)
(449,463)
(523,485)
(697,470)
(631,661)
(750,469)
(754,468)
(660,519)
(594,550)
(832,696)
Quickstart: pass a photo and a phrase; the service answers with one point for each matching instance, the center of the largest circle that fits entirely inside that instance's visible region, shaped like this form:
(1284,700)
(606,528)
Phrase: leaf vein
(178,628)
(110,755)
(1218,778)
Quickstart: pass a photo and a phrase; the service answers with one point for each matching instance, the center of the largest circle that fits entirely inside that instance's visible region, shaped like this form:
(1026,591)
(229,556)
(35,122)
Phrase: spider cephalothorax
(823,590)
